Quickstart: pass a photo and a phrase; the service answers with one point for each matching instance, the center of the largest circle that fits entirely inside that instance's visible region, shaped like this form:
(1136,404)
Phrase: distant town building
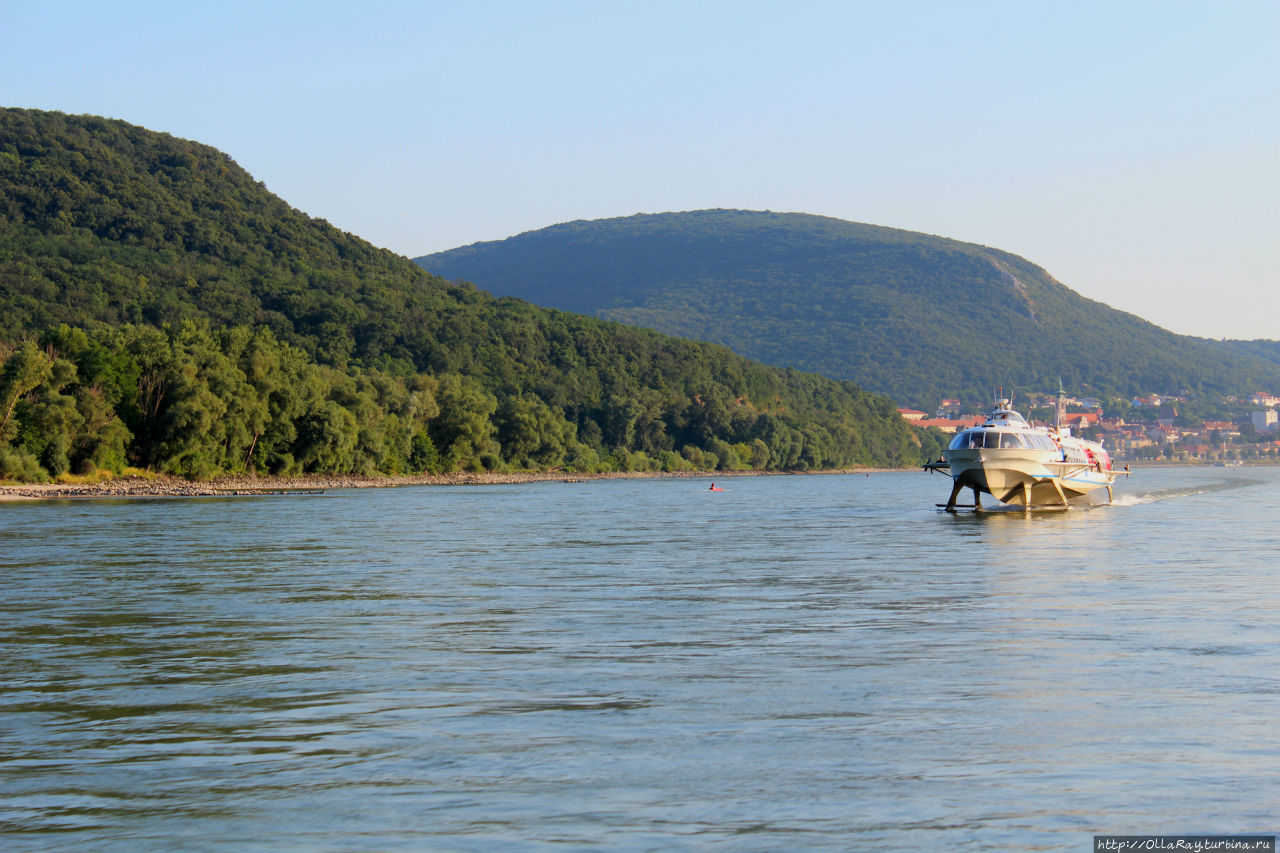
(950,425)
(1080,420)
(1147,434)
(949,408)
(1259,398)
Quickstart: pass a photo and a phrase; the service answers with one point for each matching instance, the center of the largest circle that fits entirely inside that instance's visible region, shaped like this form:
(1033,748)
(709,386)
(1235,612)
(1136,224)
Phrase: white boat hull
(1025,477)
(1024,465)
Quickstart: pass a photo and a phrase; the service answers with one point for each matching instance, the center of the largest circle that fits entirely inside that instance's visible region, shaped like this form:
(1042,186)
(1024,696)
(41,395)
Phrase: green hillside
(159,307)
(911,315)
(1269,350)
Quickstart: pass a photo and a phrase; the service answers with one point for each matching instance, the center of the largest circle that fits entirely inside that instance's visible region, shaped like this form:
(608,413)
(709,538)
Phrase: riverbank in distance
(148,485)
(165,486)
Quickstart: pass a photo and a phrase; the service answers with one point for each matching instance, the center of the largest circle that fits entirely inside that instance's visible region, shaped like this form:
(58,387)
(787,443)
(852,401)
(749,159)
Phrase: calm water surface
(811,662)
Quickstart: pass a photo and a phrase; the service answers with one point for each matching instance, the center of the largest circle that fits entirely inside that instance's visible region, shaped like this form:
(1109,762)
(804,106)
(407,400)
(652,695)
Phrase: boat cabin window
(1042,442)
(1008,416)
(973,439)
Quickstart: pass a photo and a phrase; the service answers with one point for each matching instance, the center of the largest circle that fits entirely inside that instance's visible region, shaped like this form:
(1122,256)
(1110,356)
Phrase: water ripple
(802,663)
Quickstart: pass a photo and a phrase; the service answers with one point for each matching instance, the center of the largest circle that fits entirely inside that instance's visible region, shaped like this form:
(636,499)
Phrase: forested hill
(159,307)
(915,316)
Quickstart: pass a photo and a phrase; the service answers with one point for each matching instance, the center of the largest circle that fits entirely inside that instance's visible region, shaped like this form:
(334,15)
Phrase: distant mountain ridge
(916,316)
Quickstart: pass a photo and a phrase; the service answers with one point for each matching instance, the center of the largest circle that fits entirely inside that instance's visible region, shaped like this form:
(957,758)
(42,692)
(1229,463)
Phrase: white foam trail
(1130,499)
(1134,500)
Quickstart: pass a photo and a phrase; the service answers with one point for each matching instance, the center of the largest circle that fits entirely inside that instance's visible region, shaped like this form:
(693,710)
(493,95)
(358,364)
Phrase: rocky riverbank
(161,486)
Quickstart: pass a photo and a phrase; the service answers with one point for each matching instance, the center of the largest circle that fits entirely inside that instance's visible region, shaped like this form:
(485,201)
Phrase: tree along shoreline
(166,486)
(199,402)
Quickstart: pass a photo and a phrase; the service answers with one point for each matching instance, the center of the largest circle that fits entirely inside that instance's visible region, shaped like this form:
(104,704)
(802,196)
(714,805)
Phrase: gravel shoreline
(162,486)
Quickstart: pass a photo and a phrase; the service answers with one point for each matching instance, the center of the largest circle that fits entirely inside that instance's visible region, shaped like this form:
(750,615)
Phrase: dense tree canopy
(199,401)
(161,308)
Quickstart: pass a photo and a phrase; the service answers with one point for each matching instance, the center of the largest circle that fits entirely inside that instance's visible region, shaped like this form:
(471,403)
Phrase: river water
(803,662)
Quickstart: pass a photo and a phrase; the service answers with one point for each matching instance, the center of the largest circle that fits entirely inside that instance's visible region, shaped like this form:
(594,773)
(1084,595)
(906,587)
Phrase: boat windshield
(1012,439)
(973,439)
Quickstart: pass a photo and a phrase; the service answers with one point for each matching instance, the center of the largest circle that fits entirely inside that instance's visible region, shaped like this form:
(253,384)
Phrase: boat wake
(1128,499)
(1158,495)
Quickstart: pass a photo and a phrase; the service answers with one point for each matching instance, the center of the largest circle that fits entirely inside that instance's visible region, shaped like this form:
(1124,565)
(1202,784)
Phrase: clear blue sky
(1130,148)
